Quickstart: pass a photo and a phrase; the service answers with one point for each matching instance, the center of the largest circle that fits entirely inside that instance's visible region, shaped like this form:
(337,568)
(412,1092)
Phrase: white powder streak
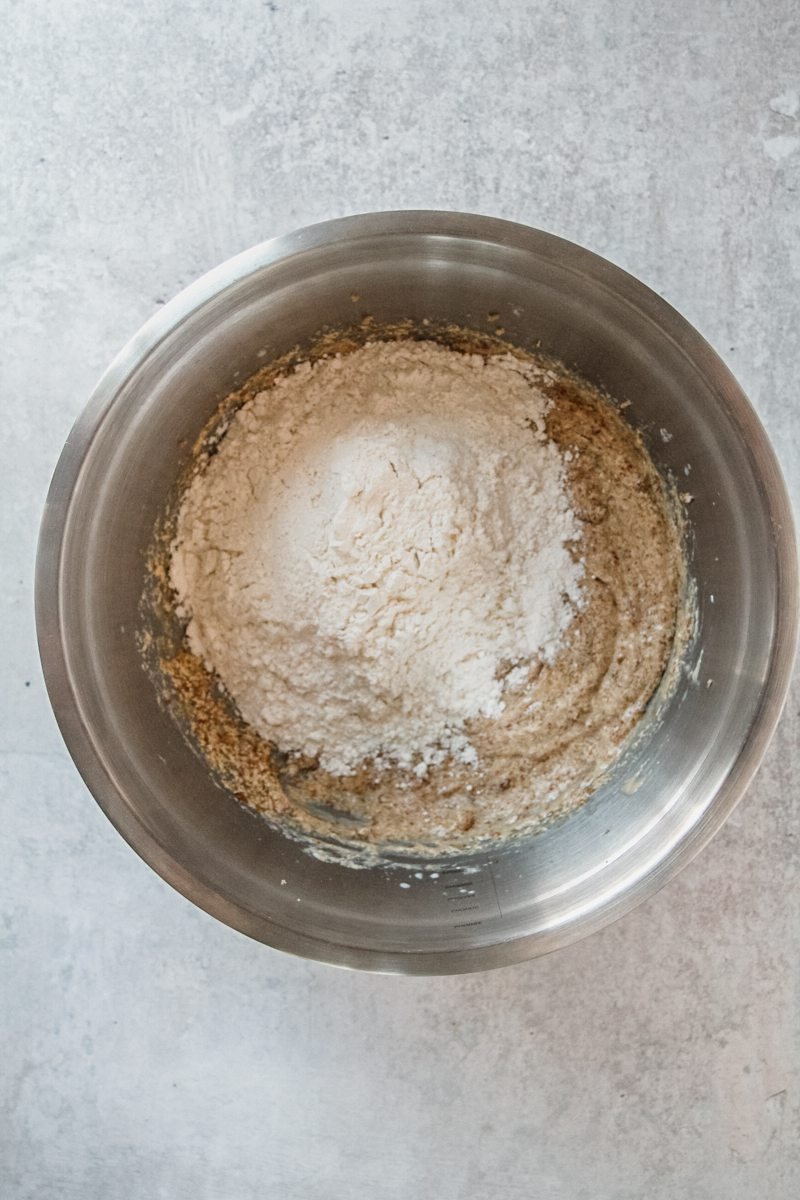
(379,537)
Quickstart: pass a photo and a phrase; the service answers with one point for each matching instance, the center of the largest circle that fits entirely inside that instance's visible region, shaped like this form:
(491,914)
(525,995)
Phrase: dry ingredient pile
(380,538)
(438,588)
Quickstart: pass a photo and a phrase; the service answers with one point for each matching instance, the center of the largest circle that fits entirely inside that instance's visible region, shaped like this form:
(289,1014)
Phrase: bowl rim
(51,631)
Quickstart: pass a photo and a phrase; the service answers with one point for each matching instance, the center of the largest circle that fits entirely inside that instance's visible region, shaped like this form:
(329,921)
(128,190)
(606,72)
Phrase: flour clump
(381,545)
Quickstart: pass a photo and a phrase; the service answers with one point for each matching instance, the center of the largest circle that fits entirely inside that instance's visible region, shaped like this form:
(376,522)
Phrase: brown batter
(560,730)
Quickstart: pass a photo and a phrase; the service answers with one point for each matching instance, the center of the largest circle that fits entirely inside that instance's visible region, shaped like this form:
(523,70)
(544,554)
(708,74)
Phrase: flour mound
(381,543)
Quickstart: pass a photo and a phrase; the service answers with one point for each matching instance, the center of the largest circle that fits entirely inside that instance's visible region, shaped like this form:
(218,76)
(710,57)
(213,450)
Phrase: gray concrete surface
(148,1051)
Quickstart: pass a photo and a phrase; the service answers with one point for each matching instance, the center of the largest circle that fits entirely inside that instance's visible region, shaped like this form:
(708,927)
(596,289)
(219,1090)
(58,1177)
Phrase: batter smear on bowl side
(427,594)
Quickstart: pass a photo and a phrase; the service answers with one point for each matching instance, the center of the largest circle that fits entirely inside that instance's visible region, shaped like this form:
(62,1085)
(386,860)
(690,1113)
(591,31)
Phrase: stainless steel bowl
(690,767)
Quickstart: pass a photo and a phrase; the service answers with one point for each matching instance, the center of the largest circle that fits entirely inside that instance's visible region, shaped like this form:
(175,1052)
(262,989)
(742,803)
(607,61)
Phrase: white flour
(378,541)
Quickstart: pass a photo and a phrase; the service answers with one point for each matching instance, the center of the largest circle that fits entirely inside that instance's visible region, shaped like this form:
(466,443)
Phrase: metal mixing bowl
(672,790)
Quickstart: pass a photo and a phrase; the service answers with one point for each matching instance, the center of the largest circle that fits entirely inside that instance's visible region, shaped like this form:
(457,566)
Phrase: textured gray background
(148,1051)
